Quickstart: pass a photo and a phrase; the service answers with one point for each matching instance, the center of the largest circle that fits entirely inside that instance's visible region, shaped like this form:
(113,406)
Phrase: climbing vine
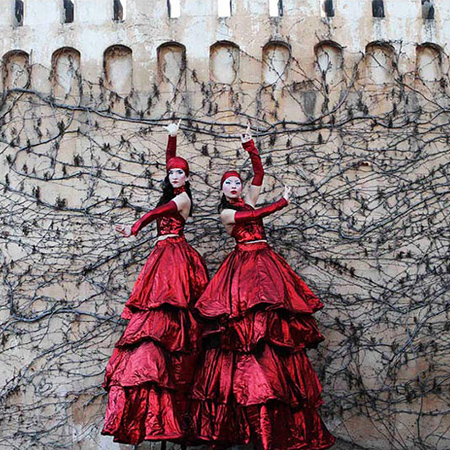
(368,230)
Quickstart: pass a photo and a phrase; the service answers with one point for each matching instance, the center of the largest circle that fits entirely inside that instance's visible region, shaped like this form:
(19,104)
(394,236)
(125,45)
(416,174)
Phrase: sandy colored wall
(352,111)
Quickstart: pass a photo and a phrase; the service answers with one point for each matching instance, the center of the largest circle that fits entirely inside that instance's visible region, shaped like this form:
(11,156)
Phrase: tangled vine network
(368,229)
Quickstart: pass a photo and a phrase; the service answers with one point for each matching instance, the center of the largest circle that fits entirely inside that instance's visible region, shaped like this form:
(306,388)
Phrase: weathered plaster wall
(352,111)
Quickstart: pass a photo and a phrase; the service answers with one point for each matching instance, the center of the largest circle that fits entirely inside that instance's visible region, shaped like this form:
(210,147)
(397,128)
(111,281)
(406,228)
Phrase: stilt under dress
(149,375)
(255,383)
(150,372)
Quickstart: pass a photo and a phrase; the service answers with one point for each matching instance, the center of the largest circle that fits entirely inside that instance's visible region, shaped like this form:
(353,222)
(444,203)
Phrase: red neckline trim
(179,190)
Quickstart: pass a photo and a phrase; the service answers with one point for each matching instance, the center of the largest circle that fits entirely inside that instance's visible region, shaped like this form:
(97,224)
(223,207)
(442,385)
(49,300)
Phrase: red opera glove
(168,209)
(171,150)
(258,169)
(245,216)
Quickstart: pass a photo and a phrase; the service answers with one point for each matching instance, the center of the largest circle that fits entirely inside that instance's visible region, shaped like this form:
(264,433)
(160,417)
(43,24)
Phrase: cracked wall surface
(351,110)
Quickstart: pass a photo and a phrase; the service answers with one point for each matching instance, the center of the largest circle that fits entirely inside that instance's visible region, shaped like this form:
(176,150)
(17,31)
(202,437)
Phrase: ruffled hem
(173,329)
(152,366)
(272,426)
(276,327)
(174,274)
(252,276)
(148,363)
(256,378)
(146,412)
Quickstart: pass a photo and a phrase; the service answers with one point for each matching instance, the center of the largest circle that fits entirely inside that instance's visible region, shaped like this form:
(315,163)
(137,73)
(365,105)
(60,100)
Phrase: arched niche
(429,62)
(329,61)
(171,63)
(118,69)
(66,71)
(16,69)
(276,57)
(224,62)
(380,63)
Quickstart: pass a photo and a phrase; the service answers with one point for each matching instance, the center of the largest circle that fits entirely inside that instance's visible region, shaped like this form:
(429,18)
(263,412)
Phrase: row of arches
(224,65)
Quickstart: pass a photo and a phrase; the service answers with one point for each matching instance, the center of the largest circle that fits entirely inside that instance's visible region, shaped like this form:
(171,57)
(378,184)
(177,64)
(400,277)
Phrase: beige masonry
(350,110)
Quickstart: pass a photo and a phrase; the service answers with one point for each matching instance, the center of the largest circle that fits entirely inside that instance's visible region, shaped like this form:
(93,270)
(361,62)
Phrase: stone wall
(350,109)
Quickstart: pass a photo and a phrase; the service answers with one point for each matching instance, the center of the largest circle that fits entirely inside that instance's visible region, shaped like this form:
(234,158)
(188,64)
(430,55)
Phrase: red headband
(178,163)
(228,174)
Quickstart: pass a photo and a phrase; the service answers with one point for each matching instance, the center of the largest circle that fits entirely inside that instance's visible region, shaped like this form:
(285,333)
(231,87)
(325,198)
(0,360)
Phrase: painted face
(232,187)
(177,177)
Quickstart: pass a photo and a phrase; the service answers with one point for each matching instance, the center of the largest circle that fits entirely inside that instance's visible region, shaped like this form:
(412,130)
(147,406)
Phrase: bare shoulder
(182,200)
(227,216)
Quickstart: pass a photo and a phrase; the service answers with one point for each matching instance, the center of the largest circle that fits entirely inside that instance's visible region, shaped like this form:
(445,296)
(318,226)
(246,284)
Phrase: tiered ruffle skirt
(150,373)
(255,382)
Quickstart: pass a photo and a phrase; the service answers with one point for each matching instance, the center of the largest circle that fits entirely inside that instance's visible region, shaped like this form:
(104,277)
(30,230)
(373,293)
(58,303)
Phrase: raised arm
(258,171)
(171,150)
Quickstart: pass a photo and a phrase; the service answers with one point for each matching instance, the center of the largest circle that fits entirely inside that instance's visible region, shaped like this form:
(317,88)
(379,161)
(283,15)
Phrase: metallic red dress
(150,372)
(255,382)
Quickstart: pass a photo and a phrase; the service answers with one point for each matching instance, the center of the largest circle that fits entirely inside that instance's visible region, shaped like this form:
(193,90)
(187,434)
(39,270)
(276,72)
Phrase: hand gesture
(172,128)
(246,135)
(287,193)
(125,230)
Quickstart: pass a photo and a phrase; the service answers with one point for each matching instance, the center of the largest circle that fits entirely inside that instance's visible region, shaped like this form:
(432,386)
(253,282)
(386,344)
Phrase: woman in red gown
(150,371)
(255,383)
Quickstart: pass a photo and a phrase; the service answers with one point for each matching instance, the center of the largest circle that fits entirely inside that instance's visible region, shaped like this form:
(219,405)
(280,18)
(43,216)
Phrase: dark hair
(225,204)
(168,193)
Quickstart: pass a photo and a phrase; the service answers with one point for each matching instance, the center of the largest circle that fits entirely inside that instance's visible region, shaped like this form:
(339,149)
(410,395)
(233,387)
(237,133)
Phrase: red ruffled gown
(255,382)
(149,375)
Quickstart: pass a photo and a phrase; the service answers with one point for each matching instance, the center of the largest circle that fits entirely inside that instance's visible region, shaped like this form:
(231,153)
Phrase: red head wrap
(228,174)
(178,163)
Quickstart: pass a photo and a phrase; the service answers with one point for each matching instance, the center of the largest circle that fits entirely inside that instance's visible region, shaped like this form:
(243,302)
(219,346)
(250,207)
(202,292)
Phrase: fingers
(246,135)
(287,193)
(172,128)
(124,230)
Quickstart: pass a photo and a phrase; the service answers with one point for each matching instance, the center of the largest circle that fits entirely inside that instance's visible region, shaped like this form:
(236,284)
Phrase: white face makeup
(177,177)
(232,187)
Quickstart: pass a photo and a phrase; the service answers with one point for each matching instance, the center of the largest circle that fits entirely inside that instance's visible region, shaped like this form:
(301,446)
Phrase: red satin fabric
(150,372)
(258,168)
(174,223)
(171,225)
(254,276)
(251,230)
(254,383)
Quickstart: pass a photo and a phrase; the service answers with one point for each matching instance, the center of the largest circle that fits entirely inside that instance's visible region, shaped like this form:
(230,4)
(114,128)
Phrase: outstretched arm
(258,171)
(168,209)
(171,150)
(245,216)
(231,217)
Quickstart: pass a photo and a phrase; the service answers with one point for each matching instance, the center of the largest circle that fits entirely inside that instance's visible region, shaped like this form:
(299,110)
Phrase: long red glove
(168,209)
(171,150)
(258,168)
(245,216)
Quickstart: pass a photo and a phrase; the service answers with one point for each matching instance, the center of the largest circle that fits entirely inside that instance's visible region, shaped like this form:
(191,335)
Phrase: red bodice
(253,230)
(171,225)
